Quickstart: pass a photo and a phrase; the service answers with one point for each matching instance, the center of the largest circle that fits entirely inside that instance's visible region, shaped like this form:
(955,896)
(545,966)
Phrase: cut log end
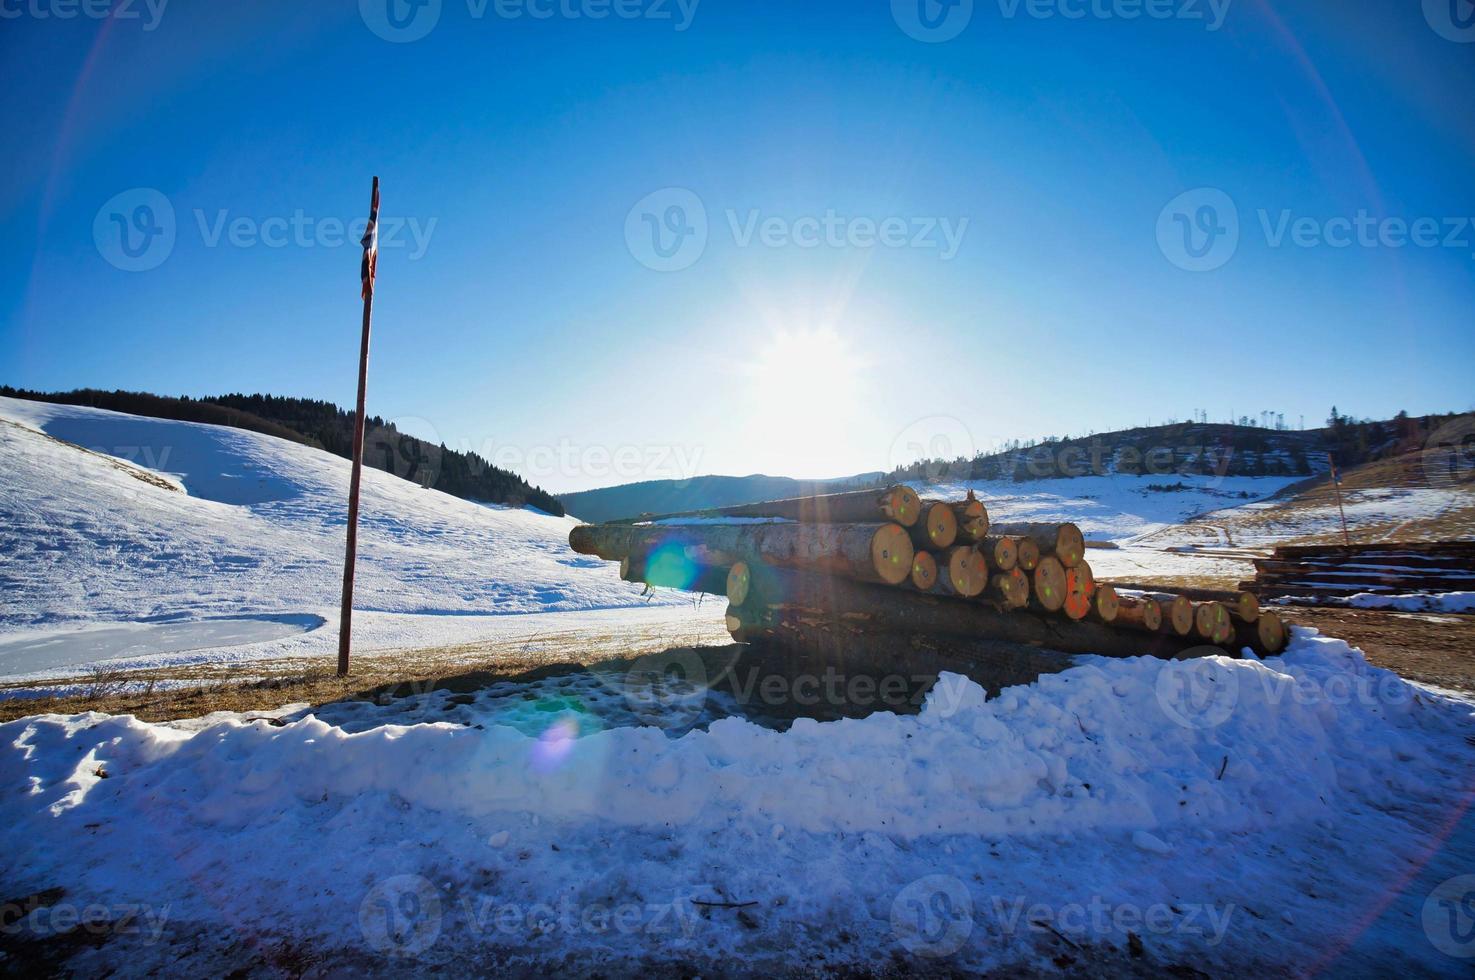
(967,574)
(1010,588)
(1070,545)
(892,553)
(1106,604)
(1245,608)
(938,528)
(1029,554)
(924,571)
(902,505)
(1178,615)
(1211,622)
(1271,632)
(972,519)
(1049,582)
(739,579)
(1002,553)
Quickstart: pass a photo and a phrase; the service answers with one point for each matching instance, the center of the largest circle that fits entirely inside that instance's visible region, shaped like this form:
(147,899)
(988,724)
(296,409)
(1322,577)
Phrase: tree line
(322,424)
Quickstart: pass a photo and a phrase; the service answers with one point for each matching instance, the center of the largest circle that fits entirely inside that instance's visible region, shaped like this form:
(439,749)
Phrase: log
(962,572)
(1241,605)
(1138,612)
(1211,622)
(924,571)
(669,571)
(783,595)
(739,578)
(1080,587)
(1029,554)
(1001,552)
(1267,634)
(1064,541)
(972,518)
(1049,584)
(1105,606)
(938,527)
(866,552)
(896,504)
(1009,589)
(1177,612)
(1463,548)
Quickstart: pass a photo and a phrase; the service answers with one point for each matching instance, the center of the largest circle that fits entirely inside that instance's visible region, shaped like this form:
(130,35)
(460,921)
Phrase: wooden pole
(350,551)
(1337,483)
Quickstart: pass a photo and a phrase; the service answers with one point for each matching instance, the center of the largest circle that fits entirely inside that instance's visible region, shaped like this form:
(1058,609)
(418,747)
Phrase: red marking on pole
(367,271)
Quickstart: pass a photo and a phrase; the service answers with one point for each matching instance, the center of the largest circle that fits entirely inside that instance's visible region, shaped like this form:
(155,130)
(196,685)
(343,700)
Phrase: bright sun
(807,375)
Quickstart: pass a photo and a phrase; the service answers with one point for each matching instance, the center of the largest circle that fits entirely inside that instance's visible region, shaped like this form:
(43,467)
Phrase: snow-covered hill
(109,519)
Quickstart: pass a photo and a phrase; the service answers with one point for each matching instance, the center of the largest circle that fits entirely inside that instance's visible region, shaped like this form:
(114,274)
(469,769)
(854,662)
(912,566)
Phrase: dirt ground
(1432,648)
(1437,649)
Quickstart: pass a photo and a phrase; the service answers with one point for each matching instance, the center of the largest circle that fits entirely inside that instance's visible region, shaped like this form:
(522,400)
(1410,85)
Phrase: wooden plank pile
(1337,571)
(869,572)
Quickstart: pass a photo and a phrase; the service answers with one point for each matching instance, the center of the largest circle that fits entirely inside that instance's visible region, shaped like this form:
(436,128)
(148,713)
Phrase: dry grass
(264,685)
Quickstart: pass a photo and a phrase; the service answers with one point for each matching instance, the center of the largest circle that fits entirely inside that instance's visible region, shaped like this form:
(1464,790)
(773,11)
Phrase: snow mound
(1116,777)
(1448,602)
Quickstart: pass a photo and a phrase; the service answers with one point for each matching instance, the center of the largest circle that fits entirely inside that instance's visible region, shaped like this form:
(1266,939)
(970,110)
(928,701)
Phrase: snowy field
(177,543)
(239,547)
(1308,815)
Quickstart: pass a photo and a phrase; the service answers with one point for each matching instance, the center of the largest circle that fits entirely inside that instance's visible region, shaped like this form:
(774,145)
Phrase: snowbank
(1130,781)
(1448,602)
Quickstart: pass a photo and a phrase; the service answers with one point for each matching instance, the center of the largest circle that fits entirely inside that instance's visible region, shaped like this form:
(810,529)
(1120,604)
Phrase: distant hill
(672,496)
(323,425)
(1171,450)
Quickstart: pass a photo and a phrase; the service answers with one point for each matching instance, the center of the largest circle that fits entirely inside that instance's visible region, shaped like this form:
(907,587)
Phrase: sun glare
(808,375)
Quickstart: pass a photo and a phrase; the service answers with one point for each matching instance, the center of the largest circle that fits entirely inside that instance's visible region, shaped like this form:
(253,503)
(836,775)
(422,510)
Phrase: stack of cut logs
(1329,571)
(872,569)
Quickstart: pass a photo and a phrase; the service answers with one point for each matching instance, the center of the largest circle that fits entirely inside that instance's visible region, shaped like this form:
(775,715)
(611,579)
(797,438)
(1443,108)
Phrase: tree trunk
(866,552)
(1243,606)
(897,504)
(674,572)
(1105,607)
(783,596)
(1138,612)
(1064,541)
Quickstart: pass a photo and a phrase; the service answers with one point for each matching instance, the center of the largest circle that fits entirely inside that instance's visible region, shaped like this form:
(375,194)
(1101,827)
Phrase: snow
(1447,602)
(181,523)
(1324,783)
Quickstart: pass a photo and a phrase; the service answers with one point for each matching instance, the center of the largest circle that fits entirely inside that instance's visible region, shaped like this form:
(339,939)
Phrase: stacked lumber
(875,570)
(1337,571)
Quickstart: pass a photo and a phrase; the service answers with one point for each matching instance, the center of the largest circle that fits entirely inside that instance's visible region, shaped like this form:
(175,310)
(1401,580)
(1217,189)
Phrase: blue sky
(1029,174)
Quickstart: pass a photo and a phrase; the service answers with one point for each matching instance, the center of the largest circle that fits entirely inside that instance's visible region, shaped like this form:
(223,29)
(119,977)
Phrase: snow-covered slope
(206,521)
